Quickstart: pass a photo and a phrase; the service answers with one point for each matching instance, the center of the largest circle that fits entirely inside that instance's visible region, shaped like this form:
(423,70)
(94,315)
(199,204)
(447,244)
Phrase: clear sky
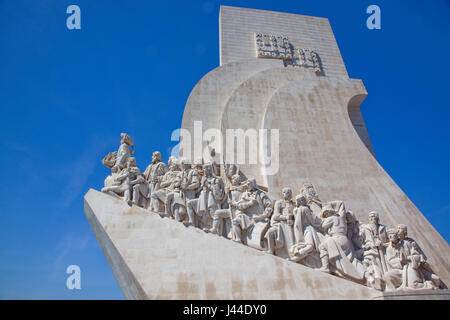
(66,95)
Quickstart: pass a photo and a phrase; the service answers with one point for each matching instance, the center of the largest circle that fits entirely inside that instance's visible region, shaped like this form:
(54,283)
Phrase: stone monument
(317,219)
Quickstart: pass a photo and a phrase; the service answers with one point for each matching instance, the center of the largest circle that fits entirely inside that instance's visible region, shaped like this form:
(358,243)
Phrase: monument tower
(277,71)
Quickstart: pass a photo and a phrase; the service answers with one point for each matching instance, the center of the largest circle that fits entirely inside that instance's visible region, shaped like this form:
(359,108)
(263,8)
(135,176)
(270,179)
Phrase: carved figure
(254,207)
(336,251)
(374,241)
(280,236)
(308,235)
(158,197)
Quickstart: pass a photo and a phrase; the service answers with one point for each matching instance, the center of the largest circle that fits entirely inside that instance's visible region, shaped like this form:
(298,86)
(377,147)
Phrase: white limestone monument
(276,193)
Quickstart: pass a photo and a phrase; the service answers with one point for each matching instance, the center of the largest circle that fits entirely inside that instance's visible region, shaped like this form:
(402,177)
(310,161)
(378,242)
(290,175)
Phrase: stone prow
(158,258)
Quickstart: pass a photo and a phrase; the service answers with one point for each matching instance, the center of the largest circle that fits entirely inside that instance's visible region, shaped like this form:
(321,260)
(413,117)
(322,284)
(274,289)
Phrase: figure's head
(392,235)
(207,169)
(251,184)
(236,180)
(300,200)
(131,162)
(173,161)
(115,169)
(185,164)
(232,169)
(402,231)
(156,157)
(309,192)
(327,211)
(374,218)
(123,137)
(197,164)
(350,217)
(286,193)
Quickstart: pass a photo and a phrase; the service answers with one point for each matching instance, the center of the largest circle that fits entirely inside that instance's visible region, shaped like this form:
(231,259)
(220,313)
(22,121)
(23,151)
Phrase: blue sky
(65,96)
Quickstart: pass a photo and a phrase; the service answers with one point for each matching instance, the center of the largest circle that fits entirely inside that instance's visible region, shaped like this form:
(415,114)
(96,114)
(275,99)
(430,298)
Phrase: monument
(318,218)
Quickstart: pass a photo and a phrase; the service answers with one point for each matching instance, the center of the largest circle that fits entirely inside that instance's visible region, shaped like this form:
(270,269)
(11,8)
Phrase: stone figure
(308,235)
(175,205)
(280,236)
(154,173)
(212,197)
(124,151)
(353,233)
(336,250)
(312,198)
(374,241)
(111,180)
(119,158)
(129,177)
(404,261)
(223,216)
(252,212)
(424,276)
(158,198)
(190,186)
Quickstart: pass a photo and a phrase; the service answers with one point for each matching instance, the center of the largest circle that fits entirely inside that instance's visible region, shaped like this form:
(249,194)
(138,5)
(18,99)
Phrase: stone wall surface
(238,25)
(323,138)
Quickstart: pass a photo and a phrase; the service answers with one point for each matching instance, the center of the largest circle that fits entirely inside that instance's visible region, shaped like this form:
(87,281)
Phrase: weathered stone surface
(159,258)
(323,141)
(323,138)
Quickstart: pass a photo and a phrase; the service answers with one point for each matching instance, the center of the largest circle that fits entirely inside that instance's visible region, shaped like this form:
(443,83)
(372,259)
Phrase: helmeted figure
(154,173)
(158,197)
(336,250)
(308,235)
(254,207)
(280,236)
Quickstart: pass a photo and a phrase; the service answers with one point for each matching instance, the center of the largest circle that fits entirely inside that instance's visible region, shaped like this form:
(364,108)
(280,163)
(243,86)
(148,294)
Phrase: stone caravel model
(207,229)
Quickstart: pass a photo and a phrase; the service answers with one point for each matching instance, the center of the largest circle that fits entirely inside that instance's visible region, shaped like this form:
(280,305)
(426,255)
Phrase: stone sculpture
(280,236)
(323,235)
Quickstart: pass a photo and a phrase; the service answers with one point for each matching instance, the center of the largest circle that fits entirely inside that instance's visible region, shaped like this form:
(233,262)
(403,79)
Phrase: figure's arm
(392,259)
(327,223)
(315,221)
(195,183)
(147,173)
(139,179)
(277,216)
(122,176)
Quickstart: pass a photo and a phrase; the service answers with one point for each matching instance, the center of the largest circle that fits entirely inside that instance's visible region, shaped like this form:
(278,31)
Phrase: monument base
(416,295)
